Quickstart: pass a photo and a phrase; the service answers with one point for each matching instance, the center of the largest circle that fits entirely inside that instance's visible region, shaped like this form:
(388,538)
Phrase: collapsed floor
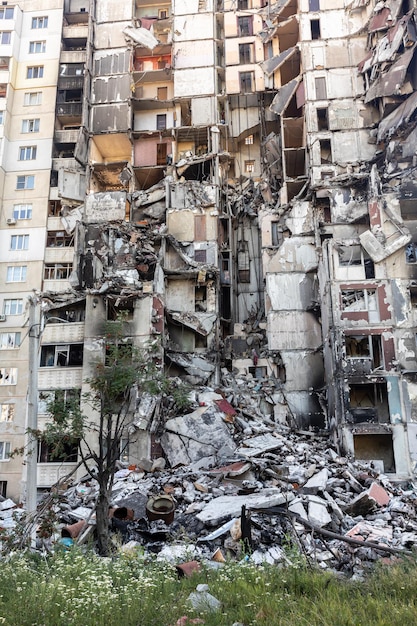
(295,489)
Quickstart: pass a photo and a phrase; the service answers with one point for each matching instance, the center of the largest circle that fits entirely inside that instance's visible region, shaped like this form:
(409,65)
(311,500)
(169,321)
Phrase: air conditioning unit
(11,221)
(2,318)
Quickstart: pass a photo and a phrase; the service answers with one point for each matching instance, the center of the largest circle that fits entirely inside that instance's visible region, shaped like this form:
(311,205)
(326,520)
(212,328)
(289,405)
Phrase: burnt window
(322,118)
(325,151)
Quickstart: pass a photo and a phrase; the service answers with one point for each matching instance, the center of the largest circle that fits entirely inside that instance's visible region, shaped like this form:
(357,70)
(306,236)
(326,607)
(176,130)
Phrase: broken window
(258,372)
(366,348)
(360,300)
(350,255)
(246,82)
(73,313)
(322,118)
(8,375)
(245,25)
(325,151)
(10,340)
(368,403)
(225,269)
(7,412)
(200,299)
(120,308)
(161,121)
(375,447)
(59,239)
(49,453)
(413,296)
(66,355)
(54,208)
(243,262)
(321,89)
(57,271)
(315,29)
(411,253)
(246,53)
(278,234)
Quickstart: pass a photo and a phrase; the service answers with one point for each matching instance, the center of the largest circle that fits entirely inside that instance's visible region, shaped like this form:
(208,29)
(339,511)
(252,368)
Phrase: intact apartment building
(237,177)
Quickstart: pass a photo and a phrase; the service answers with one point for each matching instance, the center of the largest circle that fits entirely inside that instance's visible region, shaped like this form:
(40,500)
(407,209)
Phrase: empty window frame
(365,347)
(57,271)
(322,118)
(359,300)
(30,126)
(161,153)
(22,211)
(10,341)
(6,13)
(37,47)
(48,453)
(27,153)
(161,121)
(7,412)
(19,242)
(59,239)
(413,296)
(66,355)
(5,37)
(40,22)
(245,25)
(246,53)
(13,306)
(315,29)
(32,98)
(246,82)
(325,151)
(5,450)
(16,273)
(249,167)
(8,376)
(321,88)
(3,488)
(25,182)
(34,71)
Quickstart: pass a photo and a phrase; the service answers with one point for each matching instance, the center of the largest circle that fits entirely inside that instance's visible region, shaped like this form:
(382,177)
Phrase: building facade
(237,178)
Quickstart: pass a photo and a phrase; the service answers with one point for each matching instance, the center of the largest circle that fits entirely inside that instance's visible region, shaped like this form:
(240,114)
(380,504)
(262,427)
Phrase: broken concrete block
(225,506)
(260,444)
(317,482)
(379,494)
(317,511)
(202,600)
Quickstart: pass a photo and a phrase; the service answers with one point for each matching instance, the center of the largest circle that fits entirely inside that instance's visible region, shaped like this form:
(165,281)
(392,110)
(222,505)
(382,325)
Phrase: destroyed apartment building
(238,178)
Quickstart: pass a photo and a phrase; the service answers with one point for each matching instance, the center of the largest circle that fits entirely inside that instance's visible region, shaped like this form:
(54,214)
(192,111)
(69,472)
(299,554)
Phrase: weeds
(72,588)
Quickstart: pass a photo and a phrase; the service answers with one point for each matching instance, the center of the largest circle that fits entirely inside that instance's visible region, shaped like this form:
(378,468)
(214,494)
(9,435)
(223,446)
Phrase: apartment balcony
(60,377)
(63,332)
(59,255)
(78,32)
(65,163)
(75,14)
(69,109)
(70,82)
(49,473)
(358,367)
(73,56)
(66,136)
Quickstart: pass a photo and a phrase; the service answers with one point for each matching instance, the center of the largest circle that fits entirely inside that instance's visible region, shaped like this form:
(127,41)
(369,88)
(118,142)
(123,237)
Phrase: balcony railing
(74,109)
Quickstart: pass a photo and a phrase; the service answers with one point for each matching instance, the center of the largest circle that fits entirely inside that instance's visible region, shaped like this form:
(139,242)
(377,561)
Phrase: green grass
(79,589)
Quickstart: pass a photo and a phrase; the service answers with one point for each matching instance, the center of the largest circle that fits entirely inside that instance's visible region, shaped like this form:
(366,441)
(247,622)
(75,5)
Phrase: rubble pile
(242,485)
